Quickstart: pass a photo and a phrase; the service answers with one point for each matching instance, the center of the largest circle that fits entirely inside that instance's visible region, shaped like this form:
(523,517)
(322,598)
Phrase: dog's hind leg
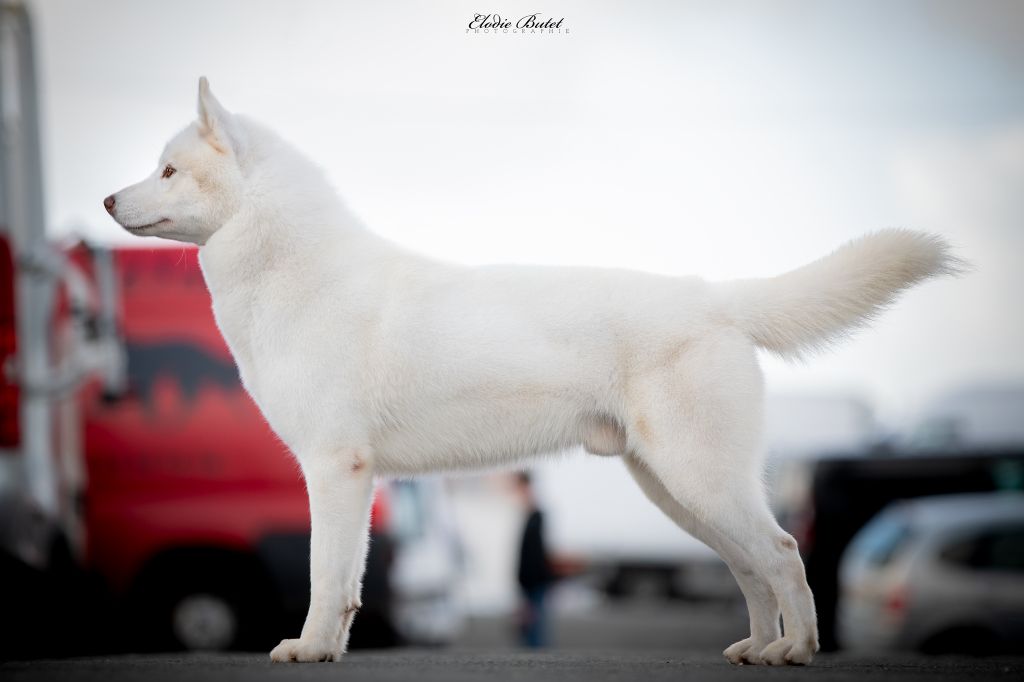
(761,604)
(740,517)
(340,486)
(694,425)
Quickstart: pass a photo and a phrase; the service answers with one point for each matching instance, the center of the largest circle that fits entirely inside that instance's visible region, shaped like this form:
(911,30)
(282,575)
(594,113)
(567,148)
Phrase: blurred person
(535,575)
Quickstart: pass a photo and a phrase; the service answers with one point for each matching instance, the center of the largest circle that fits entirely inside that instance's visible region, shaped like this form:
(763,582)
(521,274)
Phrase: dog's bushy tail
(807,309)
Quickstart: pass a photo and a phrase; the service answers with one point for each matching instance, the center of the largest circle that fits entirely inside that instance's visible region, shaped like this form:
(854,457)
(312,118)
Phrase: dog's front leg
(340,486)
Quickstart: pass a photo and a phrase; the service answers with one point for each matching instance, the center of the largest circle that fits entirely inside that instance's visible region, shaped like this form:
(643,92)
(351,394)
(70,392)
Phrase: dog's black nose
(108,204)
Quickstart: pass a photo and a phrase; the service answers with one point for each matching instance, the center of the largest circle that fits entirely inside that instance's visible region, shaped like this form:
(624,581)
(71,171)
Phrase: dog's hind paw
(789,651)
(745,652)
(303,652)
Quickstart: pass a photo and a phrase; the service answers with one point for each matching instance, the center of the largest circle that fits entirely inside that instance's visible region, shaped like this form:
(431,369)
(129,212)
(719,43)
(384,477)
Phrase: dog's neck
(273,250)
(276,227)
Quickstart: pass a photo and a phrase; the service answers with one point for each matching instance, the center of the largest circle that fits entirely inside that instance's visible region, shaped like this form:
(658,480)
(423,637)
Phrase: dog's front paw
(304,651)
(789,651)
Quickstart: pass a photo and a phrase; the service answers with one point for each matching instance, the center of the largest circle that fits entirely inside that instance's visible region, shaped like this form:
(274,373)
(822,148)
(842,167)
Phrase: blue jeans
(533,628)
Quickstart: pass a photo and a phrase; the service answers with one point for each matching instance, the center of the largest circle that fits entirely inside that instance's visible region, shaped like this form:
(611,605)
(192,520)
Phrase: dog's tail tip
(927,254)
(809,308)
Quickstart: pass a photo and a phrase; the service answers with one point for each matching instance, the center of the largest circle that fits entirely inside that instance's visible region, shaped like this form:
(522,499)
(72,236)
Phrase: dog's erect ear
(215,122)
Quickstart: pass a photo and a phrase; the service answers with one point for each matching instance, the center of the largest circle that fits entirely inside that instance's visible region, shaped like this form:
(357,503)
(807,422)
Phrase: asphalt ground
(634,642)
(512,666)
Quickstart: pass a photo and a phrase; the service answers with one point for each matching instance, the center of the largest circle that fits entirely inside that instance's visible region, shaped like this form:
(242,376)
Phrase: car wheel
(970,640)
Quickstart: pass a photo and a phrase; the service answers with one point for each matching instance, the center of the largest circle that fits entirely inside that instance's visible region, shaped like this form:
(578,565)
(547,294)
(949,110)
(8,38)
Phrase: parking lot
(632,641)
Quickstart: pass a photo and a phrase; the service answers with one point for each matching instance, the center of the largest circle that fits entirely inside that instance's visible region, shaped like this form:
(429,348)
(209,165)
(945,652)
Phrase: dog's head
(196,186)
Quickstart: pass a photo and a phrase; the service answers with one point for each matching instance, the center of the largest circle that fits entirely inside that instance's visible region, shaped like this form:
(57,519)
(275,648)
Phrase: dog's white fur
(370,360)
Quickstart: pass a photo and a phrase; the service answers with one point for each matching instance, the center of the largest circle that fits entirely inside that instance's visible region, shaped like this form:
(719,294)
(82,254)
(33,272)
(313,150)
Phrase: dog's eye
(169,170)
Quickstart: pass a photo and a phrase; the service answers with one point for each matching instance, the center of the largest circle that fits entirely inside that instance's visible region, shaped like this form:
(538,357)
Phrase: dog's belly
(482,434)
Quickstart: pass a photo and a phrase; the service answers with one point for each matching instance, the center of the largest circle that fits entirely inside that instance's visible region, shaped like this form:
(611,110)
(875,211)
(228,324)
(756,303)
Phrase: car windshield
(880,540)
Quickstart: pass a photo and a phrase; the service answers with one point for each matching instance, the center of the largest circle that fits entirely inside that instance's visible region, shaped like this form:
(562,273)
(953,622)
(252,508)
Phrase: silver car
(937,574)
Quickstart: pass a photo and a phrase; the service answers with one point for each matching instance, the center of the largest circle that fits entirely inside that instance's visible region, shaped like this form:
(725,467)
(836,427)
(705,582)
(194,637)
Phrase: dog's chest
(298,363)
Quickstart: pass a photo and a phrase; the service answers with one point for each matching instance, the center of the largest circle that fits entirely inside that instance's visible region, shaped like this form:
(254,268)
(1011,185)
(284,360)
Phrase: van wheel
(204,622)
(200,615)
(204,600)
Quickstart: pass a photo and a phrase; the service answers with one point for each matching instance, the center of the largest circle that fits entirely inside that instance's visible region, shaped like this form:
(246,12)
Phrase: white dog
(369,360)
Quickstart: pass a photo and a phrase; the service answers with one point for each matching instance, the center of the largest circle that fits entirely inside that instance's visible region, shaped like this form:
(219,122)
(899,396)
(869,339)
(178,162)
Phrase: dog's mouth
(139,228)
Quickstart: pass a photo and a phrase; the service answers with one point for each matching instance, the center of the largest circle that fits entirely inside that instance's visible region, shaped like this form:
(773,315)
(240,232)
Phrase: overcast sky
(716,138)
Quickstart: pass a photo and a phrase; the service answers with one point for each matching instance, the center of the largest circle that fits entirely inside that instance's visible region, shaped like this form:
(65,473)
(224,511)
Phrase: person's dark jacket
(534,568)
